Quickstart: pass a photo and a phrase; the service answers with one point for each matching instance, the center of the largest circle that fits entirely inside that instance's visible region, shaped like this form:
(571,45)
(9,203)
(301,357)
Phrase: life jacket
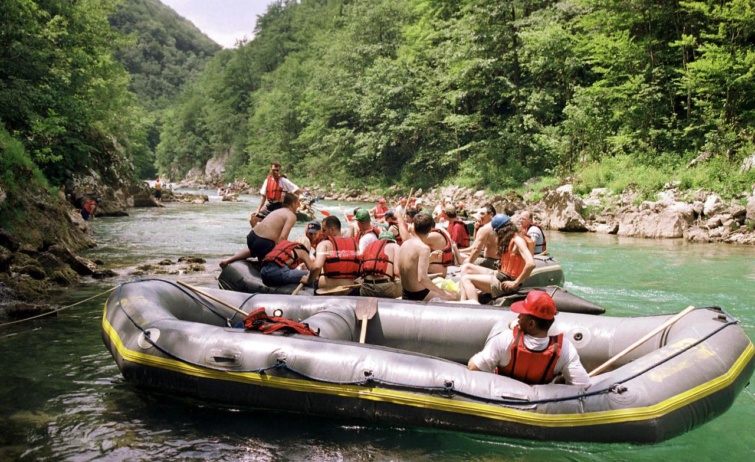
(464,241)
(397,234)
(273,189)
(283,253)
(374,259)
(545,246)
(532,367)
(259,320)
(447,259)
(361,233)
(380,211)
(511,263)
(88,206)
(343,261)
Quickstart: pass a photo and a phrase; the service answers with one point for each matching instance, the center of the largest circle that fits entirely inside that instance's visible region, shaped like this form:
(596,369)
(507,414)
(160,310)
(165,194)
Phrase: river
(63,398)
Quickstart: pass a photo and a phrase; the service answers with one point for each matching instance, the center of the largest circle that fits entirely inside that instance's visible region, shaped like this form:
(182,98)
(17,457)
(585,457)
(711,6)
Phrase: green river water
(63,398)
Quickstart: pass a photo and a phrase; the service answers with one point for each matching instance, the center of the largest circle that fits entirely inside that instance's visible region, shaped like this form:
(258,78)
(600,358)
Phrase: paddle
(338,290)
(408,201)
(639,342)
(298,288)
(325,212)
(205,294)
(365,309)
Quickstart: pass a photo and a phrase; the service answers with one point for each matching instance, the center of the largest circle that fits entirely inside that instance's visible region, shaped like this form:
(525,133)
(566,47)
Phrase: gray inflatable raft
(412,368)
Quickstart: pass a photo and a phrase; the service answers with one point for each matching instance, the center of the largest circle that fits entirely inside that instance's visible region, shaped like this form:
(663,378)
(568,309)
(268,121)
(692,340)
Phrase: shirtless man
(486,240)
(268,232)
(414,261)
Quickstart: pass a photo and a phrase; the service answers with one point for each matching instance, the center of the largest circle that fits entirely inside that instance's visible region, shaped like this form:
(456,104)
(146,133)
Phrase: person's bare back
(412,252)
(276,225)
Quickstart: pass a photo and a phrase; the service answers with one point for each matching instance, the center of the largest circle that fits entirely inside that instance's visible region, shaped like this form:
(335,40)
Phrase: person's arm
(289,186)
(403,229)
(264,197)
(422,264)
(304,256)
(494,352)
(574,372)
(321,253)
(476,248)
(529,264)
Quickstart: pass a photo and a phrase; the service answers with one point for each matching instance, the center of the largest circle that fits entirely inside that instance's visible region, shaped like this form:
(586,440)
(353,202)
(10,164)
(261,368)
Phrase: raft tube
(242,276)
(412,368)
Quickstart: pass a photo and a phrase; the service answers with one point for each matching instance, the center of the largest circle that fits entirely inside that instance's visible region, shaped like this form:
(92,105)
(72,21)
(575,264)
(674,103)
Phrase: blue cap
(499,220)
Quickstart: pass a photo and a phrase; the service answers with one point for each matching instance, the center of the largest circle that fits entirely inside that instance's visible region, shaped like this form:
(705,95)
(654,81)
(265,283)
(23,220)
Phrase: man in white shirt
(274,187)
(527,353)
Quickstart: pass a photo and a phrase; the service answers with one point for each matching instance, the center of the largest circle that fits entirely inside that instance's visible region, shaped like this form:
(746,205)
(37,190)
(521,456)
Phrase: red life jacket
(361,233)
(343,261)
(259,320)
(88,206)
(545,246)
(273,190)
(380,211)
(511,263)
(374,260)
(532,367)
(463,233)
(397,234)
(283,253)
(447,259)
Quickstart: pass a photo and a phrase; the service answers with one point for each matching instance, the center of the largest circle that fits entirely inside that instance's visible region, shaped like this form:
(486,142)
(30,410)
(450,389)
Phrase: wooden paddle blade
(366,307)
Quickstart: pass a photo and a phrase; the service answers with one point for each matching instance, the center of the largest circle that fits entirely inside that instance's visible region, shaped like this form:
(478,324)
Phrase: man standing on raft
(274,187)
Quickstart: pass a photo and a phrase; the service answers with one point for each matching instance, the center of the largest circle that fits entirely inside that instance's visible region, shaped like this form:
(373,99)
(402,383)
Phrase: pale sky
(224,21)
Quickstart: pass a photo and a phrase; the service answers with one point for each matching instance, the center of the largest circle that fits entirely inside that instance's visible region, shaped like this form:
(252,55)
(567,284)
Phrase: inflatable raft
(412,368)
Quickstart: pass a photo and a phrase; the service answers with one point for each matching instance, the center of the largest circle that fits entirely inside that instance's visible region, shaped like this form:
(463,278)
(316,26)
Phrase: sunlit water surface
(63,398)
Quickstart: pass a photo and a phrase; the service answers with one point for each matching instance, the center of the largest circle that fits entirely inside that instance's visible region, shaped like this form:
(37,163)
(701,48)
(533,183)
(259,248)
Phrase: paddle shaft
(298,288)
(639,342)
(205,294)
(337,289)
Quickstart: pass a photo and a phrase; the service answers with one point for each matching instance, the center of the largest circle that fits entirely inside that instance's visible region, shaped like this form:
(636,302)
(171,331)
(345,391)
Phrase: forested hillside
(483,93)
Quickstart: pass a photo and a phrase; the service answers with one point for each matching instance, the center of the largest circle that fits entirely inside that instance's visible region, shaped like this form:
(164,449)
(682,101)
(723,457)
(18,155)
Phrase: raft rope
(447,389)
(49,313)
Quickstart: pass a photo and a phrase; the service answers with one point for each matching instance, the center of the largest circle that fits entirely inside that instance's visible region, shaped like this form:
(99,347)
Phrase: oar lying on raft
(338,290)
(205,294)
(639,342)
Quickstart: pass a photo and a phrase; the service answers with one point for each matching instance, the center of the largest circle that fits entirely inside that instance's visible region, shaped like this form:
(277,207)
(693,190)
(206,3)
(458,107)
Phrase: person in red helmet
(527,353)
(379,210)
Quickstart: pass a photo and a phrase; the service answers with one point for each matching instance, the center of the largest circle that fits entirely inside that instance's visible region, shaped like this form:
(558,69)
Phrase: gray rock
(712,205)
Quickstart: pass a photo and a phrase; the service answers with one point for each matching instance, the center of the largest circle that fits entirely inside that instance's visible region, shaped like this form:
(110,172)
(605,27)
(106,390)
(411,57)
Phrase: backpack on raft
(260,321)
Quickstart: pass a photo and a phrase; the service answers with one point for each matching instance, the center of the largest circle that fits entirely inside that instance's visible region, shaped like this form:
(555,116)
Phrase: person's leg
(241,255)
(470,283)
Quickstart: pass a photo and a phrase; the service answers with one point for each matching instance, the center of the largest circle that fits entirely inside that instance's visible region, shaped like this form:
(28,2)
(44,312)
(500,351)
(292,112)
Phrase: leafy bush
(17,170)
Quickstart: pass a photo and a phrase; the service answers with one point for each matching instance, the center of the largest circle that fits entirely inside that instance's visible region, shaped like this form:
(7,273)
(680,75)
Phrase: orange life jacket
(532,367)
(464,240)
(447,259)
(511,263)
(273,190)
(380,211)
(374,259)
(88,206)
(284,254)
(343,261)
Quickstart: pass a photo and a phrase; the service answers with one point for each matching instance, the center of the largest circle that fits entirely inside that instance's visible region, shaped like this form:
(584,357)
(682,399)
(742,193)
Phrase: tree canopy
(482,93)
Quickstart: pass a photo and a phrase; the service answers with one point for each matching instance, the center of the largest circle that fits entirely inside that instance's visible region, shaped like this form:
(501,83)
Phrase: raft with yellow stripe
(412,368)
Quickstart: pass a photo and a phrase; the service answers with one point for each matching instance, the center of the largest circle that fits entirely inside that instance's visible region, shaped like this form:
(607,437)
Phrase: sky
(224,21)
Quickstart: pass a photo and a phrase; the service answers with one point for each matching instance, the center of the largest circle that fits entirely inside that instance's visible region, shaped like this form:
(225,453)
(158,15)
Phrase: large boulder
(562,210)
(713,205)
(655,221)
(750,209)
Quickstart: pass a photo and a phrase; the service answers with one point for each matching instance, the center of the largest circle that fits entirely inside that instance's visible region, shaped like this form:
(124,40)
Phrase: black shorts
(259,246)
(412,295)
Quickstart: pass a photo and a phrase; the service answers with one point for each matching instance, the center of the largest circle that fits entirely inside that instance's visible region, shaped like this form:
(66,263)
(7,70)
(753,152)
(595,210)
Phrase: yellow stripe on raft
(489,411)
